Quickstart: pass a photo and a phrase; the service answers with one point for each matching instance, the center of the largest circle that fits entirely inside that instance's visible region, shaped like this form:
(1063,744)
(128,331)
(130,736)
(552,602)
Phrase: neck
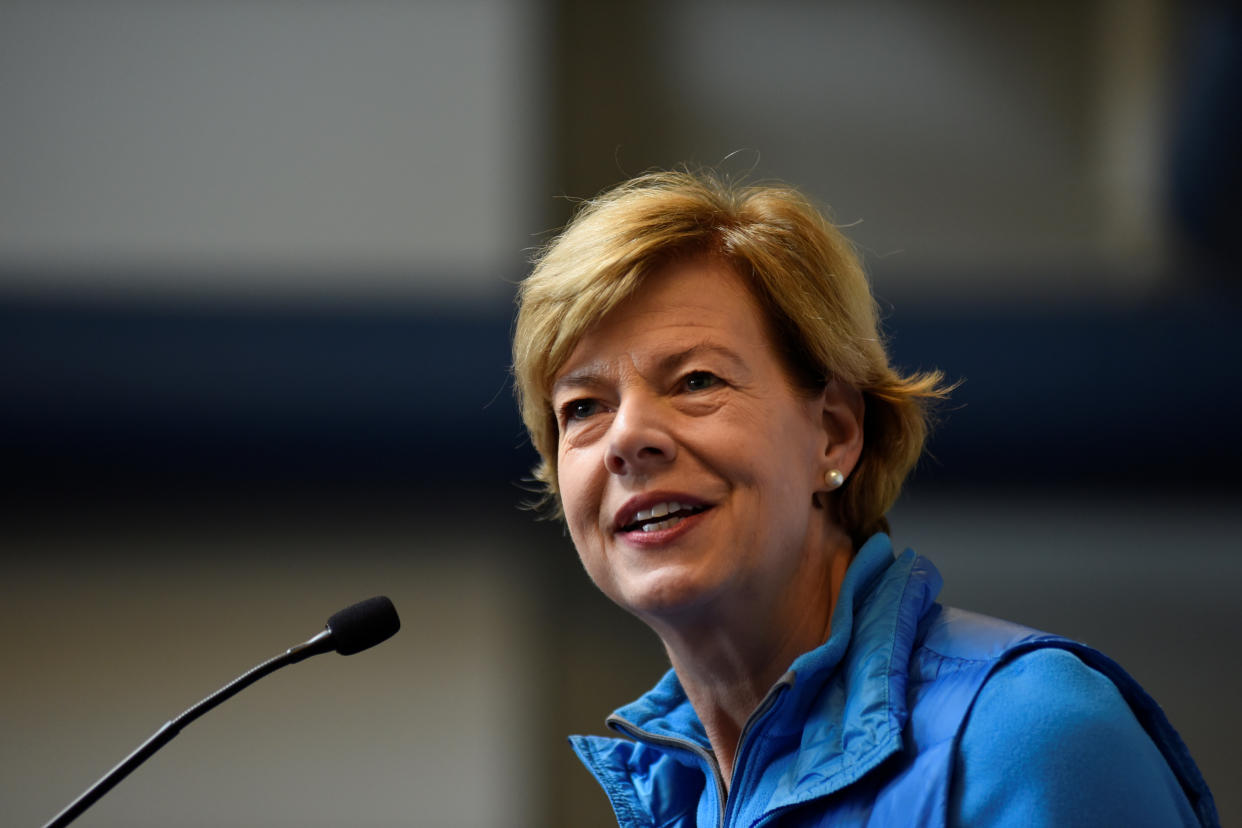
(728,660)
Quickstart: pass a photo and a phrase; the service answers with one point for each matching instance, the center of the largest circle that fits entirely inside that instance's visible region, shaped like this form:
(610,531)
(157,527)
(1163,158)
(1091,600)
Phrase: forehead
(695,304)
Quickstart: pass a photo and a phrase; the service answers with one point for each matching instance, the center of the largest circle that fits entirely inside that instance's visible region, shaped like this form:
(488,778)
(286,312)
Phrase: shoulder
(959,634)
(1051,741)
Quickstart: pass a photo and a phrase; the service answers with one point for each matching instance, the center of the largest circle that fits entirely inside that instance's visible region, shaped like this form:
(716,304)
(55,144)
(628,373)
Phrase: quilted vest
(862,731)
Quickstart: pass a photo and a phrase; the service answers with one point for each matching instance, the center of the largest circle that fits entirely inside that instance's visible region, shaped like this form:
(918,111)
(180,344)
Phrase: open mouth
(661,516)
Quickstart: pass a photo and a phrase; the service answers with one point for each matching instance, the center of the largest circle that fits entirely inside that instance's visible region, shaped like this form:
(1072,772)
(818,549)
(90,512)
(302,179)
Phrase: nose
(639,441)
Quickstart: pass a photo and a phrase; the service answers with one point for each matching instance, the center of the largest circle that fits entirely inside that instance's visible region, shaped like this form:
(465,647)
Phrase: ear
(842,409)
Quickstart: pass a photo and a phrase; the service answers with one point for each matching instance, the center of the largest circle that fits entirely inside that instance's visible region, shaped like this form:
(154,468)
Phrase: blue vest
(861,731)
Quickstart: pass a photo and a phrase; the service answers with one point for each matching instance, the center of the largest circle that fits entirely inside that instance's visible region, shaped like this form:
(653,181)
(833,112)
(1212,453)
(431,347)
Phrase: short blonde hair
(803,273)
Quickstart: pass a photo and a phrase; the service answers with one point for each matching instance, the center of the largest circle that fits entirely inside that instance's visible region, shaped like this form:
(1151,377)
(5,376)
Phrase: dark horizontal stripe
(147,397)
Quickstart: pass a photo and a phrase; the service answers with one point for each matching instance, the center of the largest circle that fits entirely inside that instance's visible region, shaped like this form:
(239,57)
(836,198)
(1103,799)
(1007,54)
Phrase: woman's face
(687,463)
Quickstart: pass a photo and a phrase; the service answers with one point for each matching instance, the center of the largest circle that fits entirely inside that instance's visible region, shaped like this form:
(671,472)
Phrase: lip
(645,501)
(662,537)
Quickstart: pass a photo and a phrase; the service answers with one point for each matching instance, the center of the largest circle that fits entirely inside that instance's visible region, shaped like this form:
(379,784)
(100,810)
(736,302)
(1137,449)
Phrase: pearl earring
(834,478)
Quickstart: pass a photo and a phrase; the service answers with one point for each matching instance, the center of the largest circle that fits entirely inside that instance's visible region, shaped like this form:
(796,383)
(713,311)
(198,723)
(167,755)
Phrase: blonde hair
(802,271)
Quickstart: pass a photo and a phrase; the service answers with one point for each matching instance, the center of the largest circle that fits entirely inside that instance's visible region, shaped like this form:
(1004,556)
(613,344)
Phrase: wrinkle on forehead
(648,327)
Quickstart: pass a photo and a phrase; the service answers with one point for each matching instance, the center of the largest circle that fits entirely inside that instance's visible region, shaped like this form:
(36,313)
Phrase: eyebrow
(592,374)
(584,377)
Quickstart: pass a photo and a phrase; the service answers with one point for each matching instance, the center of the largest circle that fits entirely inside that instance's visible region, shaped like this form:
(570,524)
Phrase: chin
(666,592)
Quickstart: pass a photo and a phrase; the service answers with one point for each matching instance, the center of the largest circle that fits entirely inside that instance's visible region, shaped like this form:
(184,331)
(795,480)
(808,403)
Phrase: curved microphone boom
(349,631)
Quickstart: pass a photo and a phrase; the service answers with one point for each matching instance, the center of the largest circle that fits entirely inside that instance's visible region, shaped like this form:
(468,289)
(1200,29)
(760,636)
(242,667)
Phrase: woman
(700,369)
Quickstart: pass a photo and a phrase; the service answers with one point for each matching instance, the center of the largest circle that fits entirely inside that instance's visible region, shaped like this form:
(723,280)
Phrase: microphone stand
(321,643)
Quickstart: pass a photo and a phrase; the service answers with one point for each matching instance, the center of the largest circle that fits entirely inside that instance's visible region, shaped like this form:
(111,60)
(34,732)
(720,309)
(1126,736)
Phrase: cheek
(788,461)
(579,495)
(580,501)
(761,446)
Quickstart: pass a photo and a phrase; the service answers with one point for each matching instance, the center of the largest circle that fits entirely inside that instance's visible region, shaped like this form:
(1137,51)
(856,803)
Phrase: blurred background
(257,263)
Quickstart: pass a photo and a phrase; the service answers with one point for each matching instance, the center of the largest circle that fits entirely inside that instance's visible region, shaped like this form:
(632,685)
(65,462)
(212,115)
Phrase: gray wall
(269,150)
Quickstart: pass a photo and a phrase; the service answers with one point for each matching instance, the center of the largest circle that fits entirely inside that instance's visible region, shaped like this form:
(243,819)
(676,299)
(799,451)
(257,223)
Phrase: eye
(579,409)
(700,380)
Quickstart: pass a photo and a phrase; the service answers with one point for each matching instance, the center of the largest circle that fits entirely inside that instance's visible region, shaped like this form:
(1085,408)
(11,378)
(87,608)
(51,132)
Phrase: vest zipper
(759,712)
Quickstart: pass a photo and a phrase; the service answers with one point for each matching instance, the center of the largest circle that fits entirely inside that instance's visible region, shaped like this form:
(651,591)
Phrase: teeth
(658,510)
(664,524)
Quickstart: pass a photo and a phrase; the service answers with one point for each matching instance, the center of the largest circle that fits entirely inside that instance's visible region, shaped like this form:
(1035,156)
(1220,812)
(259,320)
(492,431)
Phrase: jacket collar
(845,701)
(849,695)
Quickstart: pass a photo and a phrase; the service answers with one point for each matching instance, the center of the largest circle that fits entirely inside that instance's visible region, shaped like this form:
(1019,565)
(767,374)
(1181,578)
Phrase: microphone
(352,630)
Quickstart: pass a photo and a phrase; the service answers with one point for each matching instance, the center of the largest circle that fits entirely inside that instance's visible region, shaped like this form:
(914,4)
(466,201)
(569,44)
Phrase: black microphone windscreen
(363,625)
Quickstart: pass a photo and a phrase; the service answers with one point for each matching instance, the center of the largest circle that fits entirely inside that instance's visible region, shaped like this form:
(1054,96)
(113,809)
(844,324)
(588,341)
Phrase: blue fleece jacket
(912,714)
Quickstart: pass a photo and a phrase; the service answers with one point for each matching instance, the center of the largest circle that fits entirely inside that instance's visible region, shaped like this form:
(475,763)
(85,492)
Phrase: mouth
(659,516)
